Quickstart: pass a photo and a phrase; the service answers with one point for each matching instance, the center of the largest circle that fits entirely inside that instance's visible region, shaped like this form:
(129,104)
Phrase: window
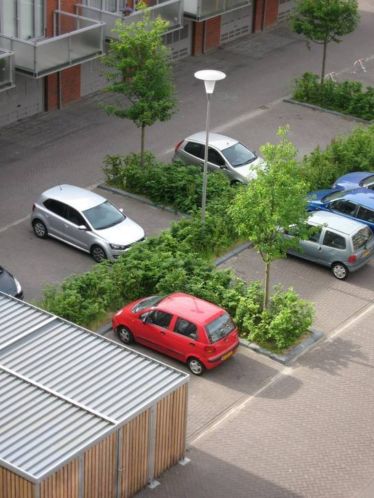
(160,318)
(334,240)
(220,327)
(314,233)
(56,207)
(186,328)
(195,149)
(22,19)
(148,302)
(215,157)
(104,215)
(74,217)
(365,214)
(368,182)
(238,155)
(343,206)
(361,238)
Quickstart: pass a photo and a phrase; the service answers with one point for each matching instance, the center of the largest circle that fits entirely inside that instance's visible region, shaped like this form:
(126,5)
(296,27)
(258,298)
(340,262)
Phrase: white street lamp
(209,76)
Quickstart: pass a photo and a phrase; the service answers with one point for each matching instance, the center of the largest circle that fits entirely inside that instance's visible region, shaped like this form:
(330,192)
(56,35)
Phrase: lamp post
(209,76)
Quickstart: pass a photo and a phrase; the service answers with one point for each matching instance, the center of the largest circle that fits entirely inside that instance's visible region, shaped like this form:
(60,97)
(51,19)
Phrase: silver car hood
(125,233)
(249,171)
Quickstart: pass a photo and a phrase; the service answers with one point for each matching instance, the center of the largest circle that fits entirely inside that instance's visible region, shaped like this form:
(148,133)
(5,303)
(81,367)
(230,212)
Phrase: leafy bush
(347,97)
(287,318)
(343,155)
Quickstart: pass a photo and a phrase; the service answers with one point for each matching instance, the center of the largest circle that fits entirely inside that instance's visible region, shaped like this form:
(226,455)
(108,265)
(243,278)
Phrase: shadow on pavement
(207,477)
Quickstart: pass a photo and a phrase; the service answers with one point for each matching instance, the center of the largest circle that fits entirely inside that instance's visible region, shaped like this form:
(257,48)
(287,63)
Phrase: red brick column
(206,35)
(265,14)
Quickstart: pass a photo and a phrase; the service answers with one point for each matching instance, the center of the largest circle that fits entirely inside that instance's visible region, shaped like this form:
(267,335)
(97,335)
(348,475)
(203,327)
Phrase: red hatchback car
(185,327)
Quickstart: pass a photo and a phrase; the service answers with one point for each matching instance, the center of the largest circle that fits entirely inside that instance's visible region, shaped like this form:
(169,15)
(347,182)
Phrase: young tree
(324,21)
(140,71)
(272,203)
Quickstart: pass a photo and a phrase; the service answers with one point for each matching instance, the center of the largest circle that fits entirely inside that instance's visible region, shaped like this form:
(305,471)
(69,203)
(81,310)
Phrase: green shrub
(347,97)
(343,155)
(278,327)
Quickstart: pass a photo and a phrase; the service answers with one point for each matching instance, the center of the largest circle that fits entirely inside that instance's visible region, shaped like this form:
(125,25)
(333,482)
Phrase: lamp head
(209,76)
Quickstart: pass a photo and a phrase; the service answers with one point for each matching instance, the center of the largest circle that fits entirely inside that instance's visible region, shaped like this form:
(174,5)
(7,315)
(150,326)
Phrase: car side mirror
(144,317)
(83,228)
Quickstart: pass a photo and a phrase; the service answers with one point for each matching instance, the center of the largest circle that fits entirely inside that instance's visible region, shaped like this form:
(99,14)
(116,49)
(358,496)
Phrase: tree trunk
(266,287)
(323,61)
(142,147)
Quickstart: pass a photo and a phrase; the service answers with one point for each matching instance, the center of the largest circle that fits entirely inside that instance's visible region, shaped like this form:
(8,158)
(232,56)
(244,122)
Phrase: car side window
(332,239)
(314,233)
(184,327)
(343,206)
(215,157)
(56,207)
(74,217)
(195,149)
(366,214)
(160,318)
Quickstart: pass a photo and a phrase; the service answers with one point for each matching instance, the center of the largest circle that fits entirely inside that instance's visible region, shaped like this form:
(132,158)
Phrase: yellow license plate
(227,355)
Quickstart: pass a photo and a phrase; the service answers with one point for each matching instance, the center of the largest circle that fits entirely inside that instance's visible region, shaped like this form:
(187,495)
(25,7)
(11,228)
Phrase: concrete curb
(330,111)
(315,336)
(139,198)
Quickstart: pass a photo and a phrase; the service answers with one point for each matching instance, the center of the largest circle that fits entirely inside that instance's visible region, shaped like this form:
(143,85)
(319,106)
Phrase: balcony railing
(77,40)
(108,11)
(204,9)
(6,70)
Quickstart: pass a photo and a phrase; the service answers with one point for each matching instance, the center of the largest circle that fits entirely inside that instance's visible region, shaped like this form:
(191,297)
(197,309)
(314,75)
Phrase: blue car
(357,204)
(355,180)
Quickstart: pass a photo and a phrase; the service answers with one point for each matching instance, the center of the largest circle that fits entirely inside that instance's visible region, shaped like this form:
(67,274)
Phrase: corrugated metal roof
(58,363)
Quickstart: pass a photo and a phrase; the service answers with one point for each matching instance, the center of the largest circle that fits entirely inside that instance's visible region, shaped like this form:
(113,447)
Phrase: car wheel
(195,366)
(339,271)
(125,335)
(40,229)
(98,254)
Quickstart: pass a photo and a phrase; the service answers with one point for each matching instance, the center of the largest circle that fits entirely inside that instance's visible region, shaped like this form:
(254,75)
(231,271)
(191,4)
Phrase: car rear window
(238,155)
(219,327)
(360,238)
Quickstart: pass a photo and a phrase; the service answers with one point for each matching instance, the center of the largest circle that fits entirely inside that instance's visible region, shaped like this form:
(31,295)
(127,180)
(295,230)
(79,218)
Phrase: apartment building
(50,49)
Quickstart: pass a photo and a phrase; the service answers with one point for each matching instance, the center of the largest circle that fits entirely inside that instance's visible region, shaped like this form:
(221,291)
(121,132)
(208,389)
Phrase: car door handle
(191,344)
(162,332)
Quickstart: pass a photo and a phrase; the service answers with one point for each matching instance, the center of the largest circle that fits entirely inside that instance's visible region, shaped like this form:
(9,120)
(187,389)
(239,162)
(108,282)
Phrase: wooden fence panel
(100,469)
(14,486)
(62,484)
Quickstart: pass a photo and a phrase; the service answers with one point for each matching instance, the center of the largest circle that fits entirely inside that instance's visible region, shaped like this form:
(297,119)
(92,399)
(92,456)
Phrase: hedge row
(347,97)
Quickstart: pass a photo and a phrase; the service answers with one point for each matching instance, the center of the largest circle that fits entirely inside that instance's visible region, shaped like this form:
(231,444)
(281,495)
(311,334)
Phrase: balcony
(6,70)
(108,11)
(200,10)
(77,40)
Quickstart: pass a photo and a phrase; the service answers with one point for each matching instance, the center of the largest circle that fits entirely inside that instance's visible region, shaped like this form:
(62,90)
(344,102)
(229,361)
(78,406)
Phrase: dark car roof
(190,307)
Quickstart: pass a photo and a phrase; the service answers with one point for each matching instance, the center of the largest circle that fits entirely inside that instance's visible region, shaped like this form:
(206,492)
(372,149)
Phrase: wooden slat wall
(134,455)
(62,484)
(100,469)
(171,429)
(14,486)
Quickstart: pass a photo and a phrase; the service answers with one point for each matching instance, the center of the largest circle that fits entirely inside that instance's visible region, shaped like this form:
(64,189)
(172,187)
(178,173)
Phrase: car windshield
(334,195)
(238,155)
(104,215)
(368,182)
(148,302)
(219,327)
(361,238)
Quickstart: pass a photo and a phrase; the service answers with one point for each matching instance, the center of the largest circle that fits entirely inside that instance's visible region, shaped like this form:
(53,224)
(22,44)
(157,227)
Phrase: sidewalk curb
(329,111)
(315,336)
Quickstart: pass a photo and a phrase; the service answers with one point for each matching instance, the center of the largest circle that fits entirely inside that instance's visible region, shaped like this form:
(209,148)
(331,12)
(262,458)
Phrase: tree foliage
(325,21)
(272,203)
(140,71)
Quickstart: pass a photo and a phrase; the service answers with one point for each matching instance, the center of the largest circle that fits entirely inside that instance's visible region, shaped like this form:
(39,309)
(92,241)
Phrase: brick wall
(206,35)
(261,20)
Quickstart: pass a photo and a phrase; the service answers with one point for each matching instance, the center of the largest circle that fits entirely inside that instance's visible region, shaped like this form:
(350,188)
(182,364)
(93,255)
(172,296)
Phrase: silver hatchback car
(84,220)
(224,154)
(342,244)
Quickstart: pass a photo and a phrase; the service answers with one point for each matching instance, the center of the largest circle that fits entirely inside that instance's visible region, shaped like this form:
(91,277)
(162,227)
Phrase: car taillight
(178,145)
(209,349)
(352,259)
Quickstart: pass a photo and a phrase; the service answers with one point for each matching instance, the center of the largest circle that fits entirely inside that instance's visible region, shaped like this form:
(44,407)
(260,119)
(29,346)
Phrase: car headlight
(18,286)
(118,247)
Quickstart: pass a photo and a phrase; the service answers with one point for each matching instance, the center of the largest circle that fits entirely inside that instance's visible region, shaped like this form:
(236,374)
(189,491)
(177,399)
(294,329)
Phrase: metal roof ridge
(60,396)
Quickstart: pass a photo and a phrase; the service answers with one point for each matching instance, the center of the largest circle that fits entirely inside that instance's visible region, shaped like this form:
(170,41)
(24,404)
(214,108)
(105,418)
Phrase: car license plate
(227,355)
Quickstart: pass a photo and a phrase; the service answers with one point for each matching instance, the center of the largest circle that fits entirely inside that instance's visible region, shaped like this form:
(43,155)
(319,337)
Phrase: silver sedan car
(224,153)
(84,220)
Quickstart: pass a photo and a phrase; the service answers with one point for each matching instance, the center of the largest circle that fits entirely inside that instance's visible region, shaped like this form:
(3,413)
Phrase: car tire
(125,335)
(40,230)
(195,366)
(98,254)
(339,270)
